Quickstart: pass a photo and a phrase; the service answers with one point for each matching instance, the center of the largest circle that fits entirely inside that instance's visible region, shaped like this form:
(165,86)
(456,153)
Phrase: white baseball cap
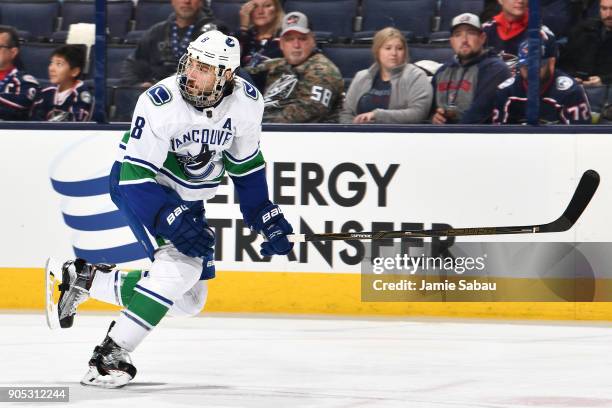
(466,18)
(295,21)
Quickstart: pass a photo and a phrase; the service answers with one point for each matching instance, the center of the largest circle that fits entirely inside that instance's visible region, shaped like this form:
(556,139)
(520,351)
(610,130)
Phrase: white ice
(223,361)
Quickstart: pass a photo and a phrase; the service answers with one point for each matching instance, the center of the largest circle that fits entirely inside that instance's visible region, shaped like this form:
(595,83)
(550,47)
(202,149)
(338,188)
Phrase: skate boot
(76,278)
(110,366)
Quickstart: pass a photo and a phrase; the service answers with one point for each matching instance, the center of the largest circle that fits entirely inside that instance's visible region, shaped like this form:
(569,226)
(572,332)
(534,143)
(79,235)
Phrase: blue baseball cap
(549,48)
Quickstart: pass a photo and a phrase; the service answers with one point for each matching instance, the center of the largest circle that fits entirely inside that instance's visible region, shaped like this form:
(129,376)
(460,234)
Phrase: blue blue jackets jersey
(18,91)
(72,105)
(562,101)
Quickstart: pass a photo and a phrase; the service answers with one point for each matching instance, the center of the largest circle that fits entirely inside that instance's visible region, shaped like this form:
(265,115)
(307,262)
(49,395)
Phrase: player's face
(7,54)
(200,78)
(392,53)
(186,9)
(467,41)
(513,9)
(60,72)
(297,47)
(605,11)
(264,13)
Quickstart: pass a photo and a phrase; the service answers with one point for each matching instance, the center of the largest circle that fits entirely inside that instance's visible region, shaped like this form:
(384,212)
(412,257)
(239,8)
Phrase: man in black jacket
(588,54)
(464,88)
(160,48)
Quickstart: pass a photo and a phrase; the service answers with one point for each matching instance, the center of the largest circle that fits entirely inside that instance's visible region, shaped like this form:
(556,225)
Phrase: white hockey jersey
(189,150)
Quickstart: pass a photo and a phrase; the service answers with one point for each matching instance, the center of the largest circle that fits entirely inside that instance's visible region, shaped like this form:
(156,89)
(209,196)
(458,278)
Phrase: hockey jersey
(18,91)
(177,152)
(72,105)
(562,101)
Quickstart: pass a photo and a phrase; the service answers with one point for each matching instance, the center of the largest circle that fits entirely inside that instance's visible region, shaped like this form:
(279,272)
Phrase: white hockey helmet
(213,52)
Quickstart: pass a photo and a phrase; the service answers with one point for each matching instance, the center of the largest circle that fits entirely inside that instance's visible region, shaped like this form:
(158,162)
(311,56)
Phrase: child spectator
(67,100)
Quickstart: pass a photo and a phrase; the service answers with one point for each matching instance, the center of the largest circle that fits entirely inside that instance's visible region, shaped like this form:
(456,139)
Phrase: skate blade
(53,276)
(115,379)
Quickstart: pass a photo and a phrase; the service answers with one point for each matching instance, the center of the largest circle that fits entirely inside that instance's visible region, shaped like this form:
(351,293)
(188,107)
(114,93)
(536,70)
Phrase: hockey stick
(582,196)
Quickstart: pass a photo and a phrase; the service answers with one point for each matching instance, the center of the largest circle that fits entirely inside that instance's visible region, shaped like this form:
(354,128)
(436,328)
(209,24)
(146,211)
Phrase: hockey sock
(116,287)
(145,310)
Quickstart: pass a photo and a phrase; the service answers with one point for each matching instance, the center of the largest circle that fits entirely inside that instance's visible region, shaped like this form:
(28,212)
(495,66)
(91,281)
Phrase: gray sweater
(411,95)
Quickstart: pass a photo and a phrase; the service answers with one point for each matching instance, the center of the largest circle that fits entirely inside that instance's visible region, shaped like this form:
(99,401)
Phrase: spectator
(159,50)
(391,90)
(303,86)
(508,28)
(68,100)
(588,53)
(18,90)
(562,99)
(464,88)
(260,23)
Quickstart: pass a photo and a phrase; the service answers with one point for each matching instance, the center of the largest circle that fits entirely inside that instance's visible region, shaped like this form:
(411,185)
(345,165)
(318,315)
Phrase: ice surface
(222,361)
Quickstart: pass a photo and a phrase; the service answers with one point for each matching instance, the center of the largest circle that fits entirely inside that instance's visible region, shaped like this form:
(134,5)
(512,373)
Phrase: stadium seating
(115,55)
(122,102)
(35,58)
(406,15)
(333,16)
(349,58)
(38,17)
(228,12)
(150,12)
(434,52)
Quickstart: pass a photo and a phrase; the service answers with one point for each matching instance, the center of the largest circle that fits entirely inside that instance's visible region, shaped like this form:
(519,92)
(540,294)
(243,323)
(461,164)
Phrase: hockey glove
(186,229)
(271,223)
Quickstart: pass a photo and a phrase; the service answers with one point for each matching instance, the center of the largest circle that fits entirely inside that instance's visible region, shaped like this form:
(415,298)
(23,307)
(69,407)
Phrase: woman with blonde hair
(260,23)
(391,90)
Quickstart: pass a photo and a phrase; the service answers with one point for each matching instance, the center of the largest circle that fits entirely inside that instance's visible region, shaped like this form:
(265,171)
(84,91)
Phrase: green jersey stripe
(243,168)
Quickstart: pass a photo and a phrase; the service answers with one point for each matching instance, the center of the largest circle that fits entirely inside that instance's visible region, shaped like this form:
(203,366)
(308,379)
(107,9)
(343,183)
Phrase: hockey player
(562,99)
(186,132)
(68,100)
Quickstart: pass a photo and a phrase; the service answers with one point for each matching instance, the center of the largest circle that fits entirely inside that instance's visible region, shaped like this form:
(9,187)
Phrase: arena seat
(37,17)
(123,102)
(406,15)
(349,58)
(149,12)
(434,52)
(115,55)
(35,58)
(119,15)
(228,11)
(333,16)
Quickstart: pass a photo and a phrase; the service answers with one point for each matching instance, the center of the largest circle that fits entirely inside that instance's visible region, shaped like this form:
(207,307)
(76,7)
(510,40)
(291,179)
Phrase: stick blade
(582,196)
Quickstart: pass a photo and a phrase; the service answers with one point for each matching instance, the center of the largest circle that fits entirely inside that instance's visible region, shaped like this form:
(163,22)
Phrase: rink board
(470,179)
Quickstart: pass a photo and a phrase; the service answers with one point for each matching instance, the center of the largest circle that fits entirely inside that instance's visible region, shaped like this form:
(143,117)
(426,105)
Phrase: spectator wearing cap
(260,24)
(391,90)
(303,86)
(588,53)
(18,90)
(562,99)
(160,48)
(509,28)
(464,88)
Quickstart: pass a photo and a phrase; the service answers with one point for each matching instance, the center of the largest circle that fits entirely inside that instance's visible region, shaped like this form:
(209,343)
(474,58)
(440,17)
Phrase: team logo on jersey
(85,97)
(230,42)
(250,90)
(159,95)
(279,90)
(564,83)
(198,167)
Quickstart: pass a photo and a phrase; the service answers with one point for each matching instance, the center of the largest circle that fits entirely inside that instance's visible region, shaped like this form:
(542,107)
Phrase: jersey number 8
(138,125)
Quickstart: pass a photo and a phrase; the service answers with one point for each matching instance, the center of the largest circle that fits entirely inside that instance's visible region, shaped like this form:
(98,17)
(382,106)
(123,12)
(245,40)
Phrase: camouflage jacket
(310,92)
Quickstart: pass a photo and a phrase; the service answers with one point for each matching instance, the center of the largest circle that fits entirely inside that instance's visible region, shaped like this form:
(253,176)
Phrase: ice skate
(110,366)
(75,278)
